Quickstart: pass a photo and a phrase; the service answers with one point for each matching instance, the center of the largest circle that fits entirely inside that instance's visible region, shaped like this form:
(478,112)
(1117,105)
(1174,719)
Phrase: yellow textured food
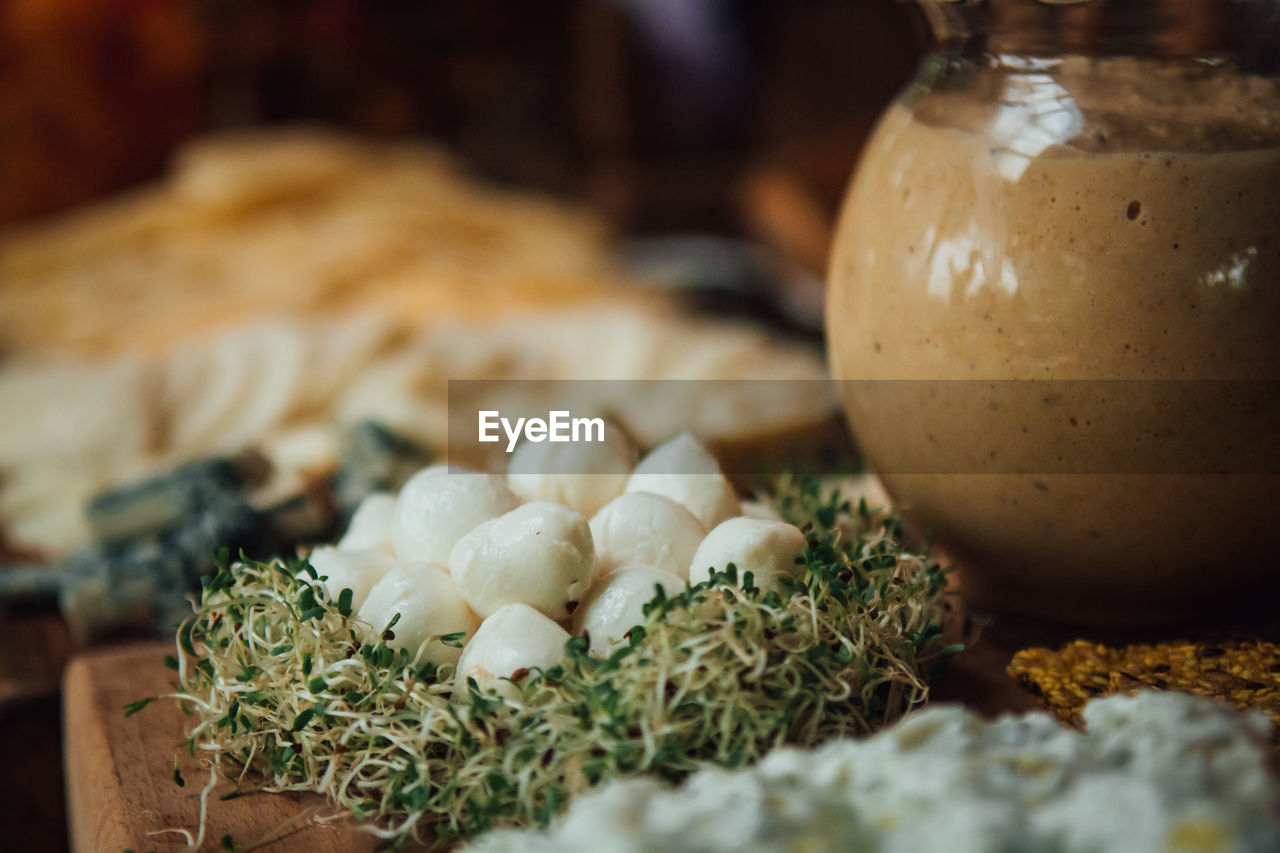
(1244,673)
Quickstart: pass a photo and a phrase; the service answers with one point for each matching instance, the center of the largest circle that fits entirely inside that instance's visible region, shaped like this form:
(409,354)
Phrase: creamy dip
(1154,772)
(1070,238)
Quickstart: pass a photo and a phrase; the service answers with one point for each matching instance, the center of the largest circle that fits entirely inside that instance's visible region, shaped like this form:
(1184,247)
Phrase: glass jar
(1053,305)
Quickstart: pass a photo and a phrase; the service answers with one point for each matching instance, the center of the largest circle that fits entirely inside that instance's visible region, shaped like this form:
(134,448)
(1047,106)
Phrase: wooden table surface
(36,647)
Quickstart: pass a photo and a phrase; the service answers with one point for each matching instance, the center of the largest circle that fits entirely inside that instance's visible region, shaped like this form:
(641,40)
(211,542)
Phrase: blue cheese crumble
(1153,772)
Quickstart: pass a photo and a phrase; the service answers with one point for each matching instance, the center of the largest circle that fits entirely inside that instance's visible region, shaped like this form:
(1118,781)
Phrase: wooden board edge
(94,800)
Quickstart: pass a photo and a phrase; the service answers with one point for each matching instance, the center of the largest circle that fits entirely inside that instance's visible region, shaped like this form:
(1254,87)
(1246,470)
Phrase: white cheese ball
(356,569)
(766,548)
(513,638)
(615,604)
(583,476)
(539,554)
(685,471)
(372,524)
(645,529)
(429,605)
(441,504)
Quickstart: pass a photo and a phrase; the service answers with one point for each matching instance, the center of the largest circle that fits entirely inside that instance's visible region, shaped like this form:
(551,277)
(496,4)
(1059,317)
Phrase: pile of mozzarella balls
(517,563)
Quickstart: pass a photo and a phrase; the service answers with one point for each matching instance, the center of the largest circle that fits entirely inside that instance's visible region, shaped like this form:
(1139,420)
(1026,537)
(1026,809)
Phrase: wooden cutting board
(119,771)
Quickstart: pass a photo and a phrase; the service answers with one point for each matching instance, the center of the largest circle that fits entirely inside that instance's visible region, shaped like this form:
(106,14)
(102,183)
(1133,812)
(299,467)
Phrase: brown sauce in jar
(1090,259)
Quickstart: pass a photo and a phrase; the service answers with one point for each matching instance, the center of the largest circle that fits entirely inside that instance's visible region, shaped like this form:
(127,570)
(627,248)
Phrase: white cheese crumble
(1153,772)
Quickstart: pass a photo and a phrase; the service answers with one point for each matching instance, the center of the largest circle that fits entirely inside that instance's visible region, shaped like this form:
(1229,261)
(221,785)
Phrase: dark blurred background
(737,116)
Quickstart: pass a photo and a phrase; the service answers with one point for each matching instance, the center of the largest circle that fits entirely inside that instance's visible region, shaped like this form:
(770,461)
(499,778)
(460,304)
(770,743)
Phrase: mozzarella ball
(513,638)
(429,605)
(756,509)
(539,554)
(683,470)
(615,604)
(583,476)
(441,504)
(645,529)
(768,549)
(372,524)
(356,569)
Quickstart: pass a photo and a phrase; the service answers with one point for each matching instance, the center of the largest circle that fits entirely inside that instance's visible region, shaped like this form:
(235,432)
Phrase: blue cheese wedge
(1153,772)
